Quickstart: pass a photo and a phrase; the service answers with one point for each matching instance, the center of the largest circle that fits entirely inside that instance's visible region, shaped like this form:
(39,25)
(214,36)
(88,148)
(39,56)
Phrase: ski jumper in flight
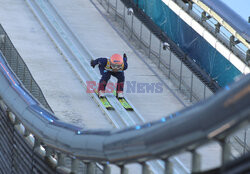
(108,67)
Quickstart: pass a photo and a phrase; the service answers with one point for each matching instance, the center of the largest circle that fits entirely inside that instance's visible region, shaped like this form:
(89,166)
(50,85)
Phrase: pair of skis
(108,106)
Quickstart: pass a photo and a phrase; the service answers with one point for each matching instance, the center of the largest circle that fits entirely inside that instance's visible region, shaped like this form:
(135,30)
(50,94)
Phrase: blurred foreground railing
(38,138)
(70,149)
(18,153)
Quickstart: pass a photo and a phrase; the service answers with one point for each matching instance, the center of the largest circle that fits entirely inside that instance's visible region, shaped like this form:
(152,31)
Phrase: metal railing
(18,154)
(172,66)
(23,152)
(68,148)
(72,149)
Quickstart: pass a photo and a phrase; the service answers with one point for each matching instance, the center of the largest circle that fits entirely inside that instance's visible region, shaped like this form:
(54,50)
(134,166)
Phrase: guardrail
(67,148)
(72,149)
(17,154)
(29,152)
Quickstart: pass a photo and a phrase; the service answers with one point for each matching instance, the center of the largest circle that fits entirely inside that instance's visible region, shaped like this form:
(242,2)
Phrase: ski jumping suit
(106,72)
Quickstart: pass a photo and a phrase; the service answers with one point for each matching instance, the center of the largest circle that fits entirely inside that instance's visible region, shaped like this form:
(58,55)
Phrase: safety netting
(195,46)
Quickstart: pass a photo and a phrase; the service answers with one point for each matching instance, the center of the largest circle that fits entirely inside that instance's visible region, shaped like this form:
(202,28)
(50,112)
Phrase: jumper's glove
(92,63)
(124,55)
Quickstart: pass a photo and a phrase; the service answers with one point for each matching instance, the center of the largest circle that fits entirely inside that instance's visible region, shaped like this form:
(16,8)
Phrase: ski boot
(101,94)
(120,95)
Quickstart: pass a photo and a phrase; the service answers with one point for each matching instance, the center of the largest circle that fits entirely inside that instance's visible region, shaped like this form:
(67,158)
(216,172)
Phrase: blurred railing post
(226,151)
(115,9)
(159,62)
(90,168)
(74,165)
(123,169)
(196,161)
(145,168)
(108,6)
(106,169)
(180,76)
(149,47)
(168,167)
(191,92)
(131,13)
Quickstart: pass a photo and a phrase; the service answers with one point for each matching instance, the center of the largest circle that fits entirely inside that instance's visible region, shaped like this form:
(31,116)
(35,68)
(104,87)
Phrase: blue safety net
(195,46)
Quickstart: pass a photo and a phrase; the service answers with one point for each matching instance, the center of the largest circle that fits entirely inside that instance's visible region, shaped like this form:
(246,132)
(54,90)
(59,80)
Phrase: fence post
(13,148)
(141,34)
(115,9)
(248,56)
(124,20)
(74,165)
(132,26)
(90,168)
(108,7)
(191,92)
(131,12)
(168,167)
(245,141)
(226,151)
(196,161)
(180,75)
(204,92)
(60,160)
(48,156)
(149,49)
(145,168)
(159,55)
(2,39)
(106,169)
(124,170)
(170,57)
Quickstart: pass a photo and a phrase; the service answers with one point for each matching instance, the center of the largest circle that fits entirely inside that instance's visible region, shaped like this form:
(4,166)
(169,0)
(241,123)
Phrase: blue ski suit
(106,72)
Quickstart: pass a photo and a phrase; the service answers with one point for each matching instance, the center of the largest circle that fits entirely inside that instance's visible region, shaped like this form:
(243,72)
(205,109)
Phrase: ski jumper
(106,72)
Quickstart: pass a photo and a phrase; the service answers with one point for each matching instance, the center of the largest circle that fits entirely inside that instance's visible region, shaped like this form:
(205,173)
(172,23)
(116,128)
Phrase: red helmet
(116,61)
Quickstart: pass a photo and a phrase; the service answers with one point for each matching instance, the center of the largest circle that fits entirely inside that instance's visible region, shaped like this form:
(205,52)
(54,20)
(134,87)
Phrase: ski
(124,103)
(105,102)
(108,106)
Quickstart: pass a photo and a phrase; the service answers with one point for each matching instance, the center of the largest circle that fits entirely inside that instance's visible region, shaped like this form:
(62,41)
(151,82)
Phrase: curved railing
(212,119)
(69,148)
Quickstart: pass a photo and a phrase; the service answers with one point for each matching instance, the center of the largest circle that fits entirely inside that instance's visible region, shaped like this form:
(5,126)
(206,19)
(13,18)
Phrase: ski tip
(129,109)
(110,108)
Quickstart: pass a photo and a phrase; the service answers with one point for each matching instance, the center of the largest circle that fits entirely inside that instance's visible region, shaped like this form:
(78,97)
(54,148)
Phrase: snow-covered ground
(101,39)
(63,91)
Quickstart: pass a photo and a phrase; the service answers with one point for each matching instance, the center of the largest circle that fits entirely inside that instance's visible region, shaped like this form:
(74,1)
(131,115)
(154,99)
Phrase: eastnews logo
(131,87)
